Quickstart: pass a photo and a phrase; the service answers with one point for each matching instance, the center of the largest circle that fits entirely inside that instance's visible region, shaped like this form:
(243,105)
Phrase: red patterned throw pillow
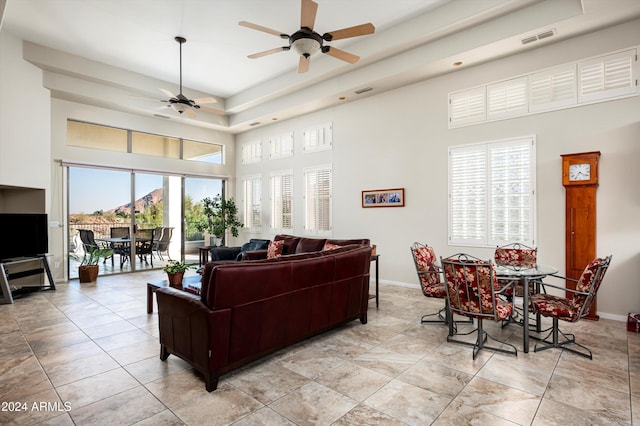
(329,246)
(275,249)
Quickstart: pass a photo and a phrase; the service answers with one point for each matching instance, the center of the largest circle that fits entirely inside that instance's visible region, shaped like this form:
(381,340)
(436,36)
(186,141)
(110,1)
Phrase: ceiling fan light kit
(180,103)
(306,42)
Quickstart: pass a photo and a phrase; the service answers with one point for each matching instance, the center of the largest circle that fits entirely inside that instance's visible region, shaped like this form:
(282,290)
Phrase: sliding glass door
(143,217)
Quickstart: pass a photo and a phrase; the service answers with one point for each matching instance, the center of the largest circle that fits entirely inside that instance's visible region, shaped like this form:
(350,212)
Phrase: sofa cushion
(290,242)
(275,249)
(310,244)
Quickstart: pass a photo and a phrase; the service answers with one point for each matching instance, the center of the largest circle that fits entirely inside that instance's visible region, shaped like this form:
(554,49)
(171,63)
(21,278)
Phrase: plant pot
(88,273)
(175,279)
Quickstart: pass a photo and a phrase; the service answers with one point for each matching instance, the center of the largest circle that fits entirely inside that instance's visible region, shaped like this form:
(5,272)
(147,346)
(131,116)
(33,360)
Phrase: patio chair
(161,240)
(472,291)
(144,245)
(570,309)
(121,248)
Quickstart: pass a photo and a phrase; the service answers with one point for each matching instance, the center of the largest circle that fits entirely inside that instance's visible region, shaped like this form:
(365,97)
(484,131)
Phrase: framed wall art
(383,198)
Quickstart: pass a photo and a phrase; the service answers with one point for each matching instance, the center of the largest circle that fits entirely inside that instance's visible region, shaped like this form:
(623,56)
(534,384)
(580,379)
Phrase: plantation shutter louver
(507,98)
(607,76)
(491,193)
(282,201)
(318,187)
(253,202)
(510,200)
(553,89)
(467,107)
(467,197)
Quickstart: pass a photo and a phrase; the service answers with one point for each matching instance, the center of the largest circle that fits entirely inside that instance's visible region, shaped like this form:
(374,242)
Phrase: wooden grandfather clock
(580,179)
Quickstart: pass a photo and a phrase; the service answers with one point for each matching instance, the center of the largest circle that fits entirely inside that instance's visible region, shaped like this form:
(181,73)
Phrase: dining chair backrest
(589,282)
(119,232)
(424,257)
(516,254)
(88,240)
(471,286)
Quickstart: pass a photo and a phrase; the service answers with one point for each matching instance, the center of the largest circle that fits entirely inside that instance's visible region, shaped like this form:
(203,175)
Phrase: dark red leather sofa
(251,308)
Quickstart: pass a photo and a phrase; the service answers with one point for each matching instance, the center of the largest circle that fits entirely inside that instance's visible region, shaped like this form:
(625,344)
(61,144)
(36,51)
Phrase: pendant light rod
(180,40)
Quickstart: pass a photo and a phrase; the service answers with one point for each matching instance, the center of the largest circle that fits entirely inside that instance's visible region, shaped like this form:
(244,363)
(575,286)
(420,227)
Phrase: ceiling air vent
(364,90)
(540,36)
(162,116)
(255,123)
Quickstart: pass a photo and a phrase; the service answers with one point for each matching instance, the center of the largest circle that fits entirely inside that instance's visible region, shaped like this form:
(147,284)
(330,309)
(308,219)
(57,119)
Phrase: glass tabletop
(516,271)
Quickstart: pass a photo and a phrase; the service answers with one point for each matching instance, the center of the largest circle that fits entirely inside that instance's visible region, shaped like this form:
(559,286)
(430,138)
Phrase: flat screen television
(23,235)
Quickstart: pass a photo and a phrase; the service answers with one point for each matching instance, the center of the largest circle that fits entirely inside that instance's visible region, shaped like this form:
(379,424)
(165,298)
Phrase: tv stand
(23,267)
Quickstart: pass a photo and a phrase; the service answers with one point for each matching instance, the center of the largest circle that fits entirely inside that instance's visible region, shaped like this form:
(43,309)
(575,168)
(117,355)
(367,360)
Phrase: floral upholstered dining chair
(570,309)
(424,258)
(472,291)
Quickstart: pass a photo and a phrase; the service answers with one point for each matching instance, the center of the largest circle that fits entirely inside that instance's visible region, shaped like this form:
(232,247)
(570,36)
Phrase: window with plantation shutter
(317,196)
(507,98)
(319,138)
(282,200)
(281,146)
(491,193)
(606,77)
(468,106)
(251,152)
(570,85)
(252,188)
(554,88)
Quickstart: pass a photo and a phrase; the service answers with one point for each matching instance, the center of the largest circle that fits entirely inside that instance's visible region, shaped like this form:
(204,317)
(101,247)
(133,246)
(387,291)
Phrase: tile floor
(88,354)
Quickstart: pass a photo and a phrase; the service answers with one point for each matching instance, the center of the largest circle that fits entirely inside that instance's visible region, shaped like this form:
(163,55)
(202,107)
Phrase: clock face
(579,171)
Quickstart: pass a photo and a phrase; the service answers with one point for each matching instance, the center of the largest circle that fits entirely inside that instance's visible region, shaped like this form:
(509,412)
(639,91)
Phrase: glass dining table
(525,275)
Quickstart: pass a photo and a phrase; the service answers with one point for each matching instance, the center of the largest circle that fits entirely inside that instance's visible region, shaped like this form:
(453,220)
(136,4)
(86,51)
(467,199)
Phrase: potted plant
(220,215)
(175,270)
(88,269)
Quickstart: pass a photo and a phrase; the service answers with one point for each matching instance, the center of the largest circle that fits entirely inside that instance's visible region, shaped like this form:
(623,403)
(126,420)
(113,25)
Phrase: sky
(97,189)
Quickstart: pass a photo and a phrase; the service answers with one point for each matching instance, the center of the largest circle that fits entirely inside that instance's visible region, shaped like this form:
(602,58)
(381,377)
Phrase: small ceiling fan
(180,102)
(306,41)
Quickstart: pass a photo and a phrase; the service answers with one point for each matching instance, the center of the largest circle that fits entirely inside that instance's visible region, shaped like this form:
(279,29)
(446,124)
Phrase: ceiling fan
(306,41)
(180,102)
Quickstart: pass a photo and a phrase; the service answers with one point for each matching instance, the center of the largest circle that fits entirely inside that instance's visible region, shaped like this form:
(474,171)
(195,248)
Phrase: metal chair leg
(481,339)
(555,343)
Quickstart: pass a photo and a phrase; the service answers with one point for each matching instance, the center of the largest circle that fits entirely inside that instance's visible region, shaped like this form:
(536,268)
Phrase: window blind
(282,200)
(318,192)
(319,138)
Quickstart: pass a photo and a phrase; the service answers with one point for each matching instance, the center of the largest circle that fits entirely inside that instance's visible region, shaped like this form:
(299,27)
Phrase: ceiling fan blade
(213,110)
(208,100)
(268,52)
(340,54)
(303,64)
(263,29)
(168,93)
(308,13)
(356,31)
(191,113)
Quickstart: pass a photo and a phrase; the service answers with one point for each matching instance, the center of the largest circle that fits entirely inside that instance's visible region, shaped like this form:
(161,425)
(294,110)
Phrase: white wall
(400,139)
(25,119)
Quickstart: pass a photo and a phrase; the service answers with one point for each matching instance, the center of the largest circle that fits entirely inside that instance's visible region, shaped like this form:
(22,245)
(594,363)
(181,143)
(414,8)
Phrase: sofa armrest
(254,255)
(190,330)
(224,253)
